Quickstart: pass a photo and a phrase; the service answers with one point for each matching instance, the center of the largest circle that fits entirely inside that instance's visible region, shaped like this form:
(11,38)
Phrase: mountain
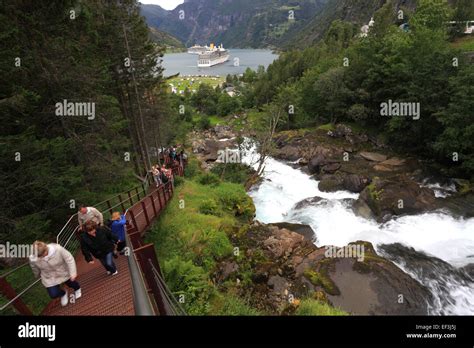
(242,23)
(355,11)
(166,40)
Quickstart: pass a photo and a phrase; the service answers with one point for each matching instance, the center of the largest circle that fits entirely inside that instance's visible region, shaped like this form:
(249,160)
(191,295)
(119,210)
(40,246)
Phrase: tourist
(118,230)
(89,214)
(99,242)
(155,171)
(55,265)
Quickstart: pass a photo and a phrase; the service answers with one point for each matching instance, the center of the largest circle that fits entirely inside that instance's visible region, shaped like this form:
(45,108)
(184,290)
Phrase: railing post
(130,198)
(144,190)
(133,219)
(159,196)
(121,203)
(145,253)
(153,204)
(138,194)
(9,293)
(110,207)
(146,214)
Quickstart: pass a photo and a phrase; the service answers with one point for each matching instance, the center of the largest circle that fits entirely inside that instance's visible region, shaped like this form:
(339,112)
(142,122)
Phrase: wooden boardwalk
(104,294)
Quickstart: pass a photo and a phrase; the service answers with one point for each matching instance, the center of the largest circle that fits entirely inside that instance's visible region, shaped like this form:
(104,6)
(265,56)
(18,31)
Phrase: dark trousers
(121,245)
(56,291)
(108,262)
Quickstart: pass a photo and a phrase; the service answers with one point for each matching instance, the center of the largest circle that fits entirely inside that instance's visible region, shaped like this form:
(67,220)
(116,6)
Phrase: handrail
(141,300)
(68,238)
(143,307)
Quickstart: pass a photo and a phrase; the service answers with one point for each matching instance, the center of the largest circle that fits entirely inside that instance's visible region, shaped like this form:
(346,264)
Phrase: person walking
(118,230)
(55,266)
(89,214)
(99,242)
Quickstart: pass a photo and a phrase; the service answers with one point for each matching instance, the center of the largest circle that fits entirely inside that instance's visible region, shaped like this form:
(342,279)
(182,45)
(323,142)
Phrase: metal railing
(65,238)
(150,292)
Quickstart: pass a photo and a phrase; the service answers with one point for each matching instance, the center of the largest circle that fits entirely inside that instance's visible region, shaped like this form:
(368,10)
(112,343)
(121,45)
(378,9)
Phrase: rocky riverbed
(289,262)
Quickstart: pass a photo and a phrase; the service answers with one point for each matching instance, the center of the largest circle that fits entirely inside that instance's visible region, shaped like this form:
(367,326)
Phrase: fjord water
(186,64)
(436,234)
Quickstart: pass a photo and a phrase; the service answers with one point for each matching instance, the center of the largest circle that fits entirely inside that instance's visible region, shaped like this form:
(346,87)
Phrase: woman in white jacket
(55,265)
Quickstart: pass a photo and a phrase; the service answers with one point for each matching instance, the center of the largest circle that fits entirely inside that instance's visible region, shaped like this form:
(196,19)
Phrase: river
(240,60)
(436,234)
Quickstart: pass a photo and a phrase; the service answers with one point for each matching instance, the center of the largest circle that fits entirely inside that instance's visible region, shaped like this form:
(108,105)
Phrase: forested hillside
(347,78)
(246,23)
(87,53)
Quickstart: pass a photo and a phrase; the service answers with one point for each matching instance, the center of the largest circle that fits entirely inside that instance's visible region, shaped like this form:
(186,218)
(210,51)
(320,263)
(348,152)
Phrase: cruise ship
(213,56)
(197,49)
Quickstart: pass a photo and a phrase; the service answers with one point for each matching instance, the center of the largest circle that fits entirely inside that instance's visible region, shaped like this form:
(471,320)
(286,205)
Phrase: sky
(166,4)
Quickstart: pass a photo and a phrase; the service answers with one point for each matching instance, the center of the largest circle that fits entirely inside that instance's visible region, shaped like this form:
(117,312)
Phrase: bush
(233,172)
(208,207)
(192,168)
(314,307)
(204,123)
(209,179)
(184,278)
(234,198)
(178,181)
(230,304)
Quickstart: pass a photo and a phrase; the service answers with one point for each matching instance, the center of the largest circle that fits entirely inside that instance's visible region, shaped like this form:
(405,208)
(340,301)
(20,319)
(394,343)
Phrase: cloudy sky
(166,4)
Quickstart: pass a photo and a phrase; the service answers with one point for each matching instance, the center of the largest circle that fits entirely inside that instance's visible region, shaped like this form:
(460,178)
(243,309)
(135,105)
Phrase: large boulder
(400,196)
(355,183)
(289,153)
(373,156)
(330,184)
(316,163)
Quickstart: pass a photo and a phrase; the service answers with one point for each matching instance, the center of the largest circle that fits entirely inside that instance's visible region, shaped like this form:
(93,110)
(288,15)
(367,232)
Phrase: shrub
(314,307)
(204,123)
(209,179)
(178,181)
(233,172)
(184,278)
(208,207)
(192,168)
(234,198)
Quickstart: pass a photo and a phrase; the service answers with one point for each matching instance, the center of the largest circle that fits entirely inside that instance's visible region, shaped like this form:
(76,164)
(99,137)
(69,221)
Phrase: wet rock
(394,161)
(223,132)
(402,196)
(315,164)
(355,183)
(383,168)
(289,153)
(305,230)
(282,242)
(331,168)
(373,156)
(308,202)
(330,184)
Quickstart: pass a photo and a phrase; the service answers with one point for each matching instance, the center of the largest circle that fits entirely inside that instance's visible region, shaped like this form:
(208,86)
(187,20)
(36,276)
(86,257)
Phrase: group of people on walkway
(56,265)
(161,174)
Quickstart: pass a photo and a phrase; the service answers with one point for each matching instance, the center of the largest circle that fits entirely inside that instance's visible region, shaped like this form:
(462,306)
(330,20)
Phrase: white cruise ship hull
(207,63)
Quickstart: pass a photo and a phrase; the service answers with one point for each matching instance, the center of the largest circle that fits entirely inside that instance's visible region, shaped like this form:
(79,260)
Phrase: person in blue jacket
(118,230)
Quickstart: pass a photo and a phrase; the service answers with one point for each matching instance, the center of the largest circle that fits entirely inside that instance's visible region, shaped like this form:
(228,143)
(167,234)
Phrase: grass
(192,237)
(181,82)
(312,307)
(465,43)
(213,119)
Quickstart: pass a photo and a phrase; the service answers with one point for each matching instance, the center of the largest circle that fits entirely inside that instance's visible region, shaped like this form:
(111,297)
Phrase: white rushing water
(437,234)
